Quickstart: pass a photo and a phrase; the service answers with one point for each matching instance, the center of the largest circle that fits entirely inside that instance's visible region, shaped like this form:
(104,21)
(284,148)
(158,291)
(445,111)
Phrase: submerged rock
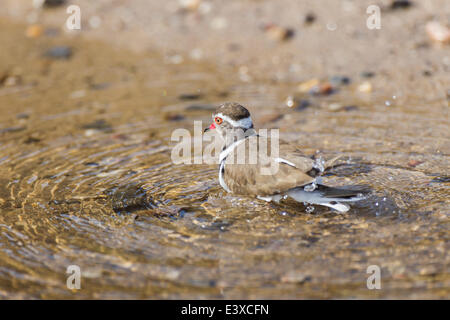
(296,103)
(310,18)
(438,32)
(130,198)
(34,31)
(278,33)
(190,96)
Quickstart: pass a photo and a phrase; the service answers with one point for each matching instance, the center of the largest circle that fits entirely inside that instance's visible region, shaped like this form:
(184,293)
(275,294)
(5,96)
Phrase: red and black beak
(212,126)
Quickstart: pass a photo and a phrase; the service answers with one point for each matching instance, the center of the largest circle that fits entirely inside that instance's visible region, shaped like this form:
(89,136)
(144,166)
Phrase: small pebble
(438,32)
(11,81)
(196,54)
(295,277)
(296,103)
(33,138)
(315,87)
(302,105)
(331,26)
(51,32)
(99,125)
(270,118)
(78,94)
(34,31)
(175,59)
(414,163)
(200,107)
(219,23)
(99,86)
(340,107)
(12,129)
(428,271)
(189,5)
(324,89)
(22,116)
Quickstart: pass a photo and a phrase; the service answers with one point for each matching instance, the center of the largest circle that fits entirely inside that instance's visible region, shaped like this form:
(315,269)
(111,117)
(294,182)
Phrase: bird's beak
(212,126)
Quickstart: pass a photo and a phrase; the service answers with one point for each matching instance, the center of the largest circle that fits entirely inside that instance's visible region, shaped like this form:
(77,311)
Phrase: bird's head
(230,118)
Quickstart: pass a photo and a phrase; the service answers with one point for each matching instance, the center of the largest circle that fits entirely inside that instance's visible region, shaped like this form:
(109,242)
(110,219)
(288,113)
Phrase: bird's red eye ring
(218,120)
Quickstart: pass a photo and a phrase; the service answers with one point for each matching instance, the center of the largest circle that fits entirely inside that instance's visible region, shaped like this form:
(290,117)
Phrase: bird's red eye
(218,120)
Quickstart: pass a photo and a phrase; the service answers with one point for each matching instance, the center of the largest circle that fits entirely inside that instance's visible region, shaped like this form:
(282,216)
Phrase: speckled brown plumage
(247,179)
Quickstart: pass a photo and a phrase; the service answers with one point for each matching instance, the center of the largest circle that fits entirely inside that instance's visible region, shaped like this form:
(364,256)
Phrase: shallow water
(87,179)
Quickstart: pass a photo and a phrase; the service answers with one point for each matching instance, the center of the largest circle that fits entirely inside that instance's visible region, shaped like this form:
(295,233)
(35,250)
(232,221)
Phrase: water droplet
(310,187)
(309,209)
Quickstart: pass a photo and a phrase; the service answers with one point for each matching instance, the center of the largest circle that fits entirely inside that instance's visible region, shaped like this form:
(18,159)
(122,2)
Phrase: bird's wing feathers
(273,173)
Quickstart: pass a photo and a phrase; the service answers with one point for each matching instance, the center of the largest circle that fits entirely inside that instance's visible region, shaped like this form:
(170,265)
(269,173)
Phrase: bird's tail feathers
(329,196)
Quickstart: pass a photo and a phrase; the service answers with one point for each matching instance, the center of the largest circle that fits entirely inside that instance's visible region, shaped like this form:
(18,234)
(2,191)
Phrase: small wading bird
(296,175)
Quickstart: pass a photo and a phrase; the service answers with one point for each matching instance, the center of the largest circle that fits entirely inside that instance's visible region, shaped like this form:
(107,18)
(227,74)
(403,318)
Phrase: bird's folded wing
(273,173)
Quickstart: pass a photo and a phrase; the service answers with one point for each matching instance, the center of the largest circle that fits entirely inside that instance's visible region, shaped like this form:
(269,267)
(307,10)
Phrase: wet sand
(86,176)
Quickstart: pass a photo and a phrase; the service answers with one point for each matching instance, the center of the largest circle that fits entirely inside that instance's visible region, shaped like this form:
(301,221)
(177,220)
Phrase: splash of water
(319,164)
